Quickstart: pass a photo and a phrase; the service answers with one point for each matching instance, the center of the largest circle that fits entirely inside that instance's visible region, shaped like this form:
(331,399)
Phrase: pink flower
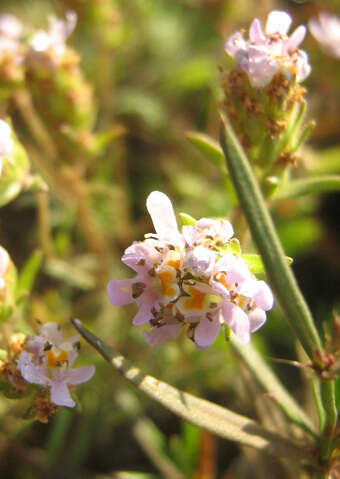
(47,361)
(266,53)
(191,280)
(326,30)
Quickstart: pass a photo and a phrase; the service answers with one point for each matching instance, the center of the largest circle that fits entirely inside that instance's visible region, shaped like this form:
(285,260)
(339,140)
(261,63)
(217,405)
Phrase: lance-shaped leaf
(309,186)
(202,413)
(264,234)
(208,147)
(271,384)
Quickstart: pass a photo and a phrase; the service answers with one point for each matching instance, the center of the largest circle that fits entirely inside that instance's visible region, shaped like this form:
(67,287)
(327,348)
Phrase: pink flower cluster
(266,53)
(189,278)
(47,360)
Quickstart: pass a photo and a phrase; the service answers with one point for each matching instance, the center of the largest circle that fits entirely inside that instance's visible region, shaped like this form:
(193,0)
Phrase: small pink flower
(47,361)
(265,53)
(326,30)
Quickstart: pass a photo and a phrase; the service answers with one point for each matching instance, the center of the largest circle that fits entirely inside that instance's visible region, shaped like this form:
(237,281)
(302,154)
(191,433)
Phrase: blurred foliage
(153,69)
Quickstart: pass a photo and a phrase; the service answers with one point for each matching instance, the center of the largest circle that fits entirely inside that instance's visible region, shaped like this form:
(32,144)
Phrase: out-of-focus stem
(87,222)
(43,223)
(23,102)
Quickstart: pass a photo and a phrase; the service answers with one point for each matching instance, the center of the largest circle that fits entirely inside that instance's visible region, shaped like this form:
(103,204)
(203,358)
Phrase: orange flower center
(56,360)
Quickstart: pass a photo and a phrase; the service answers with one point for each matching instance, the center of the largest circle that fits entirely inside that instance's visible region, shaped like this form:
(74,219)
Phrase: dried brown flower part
(44,408)
(9,370)
(16,343)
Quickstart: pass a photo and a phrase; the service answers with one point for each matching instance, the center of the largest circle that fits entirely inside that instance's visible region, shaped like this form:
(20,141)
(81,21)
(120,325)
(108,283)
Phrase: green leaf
(309,186)
(267,241)
(204,414)
(255,263)
(29,273)
(209,147)
(187,220)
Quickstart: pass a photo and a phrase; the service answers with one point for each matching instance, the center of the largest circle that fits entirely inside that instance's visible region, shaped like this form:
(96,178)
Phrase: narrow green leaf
(187,220)
(202,413)
(309,186)
(29,272)
(266,239)
(209,147)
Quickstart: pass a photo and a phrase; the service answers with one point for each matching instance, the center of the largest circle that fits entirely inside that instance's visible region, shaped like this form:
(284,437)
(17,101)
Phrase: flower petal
(237,320)
(206,332)
(157,335)
(120,292)
(296,38)
(60,395)
(256,319)
(235,43)
(278,22)
(31,372)
(256,34)
(80,375)
(263,296)
(52,332)
(144,314)
(163,217)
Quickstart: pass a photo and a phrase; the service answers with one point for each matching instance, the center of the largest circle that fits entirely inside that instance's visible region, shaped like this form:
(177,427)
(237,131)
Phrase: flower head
(326,30)
(190,279)
(267,52)
(47,360)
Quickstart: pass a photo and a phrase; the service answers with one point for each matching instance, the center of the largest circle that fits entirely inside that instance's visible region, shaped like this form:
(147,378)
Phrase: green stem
(264,234)
(327,390)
